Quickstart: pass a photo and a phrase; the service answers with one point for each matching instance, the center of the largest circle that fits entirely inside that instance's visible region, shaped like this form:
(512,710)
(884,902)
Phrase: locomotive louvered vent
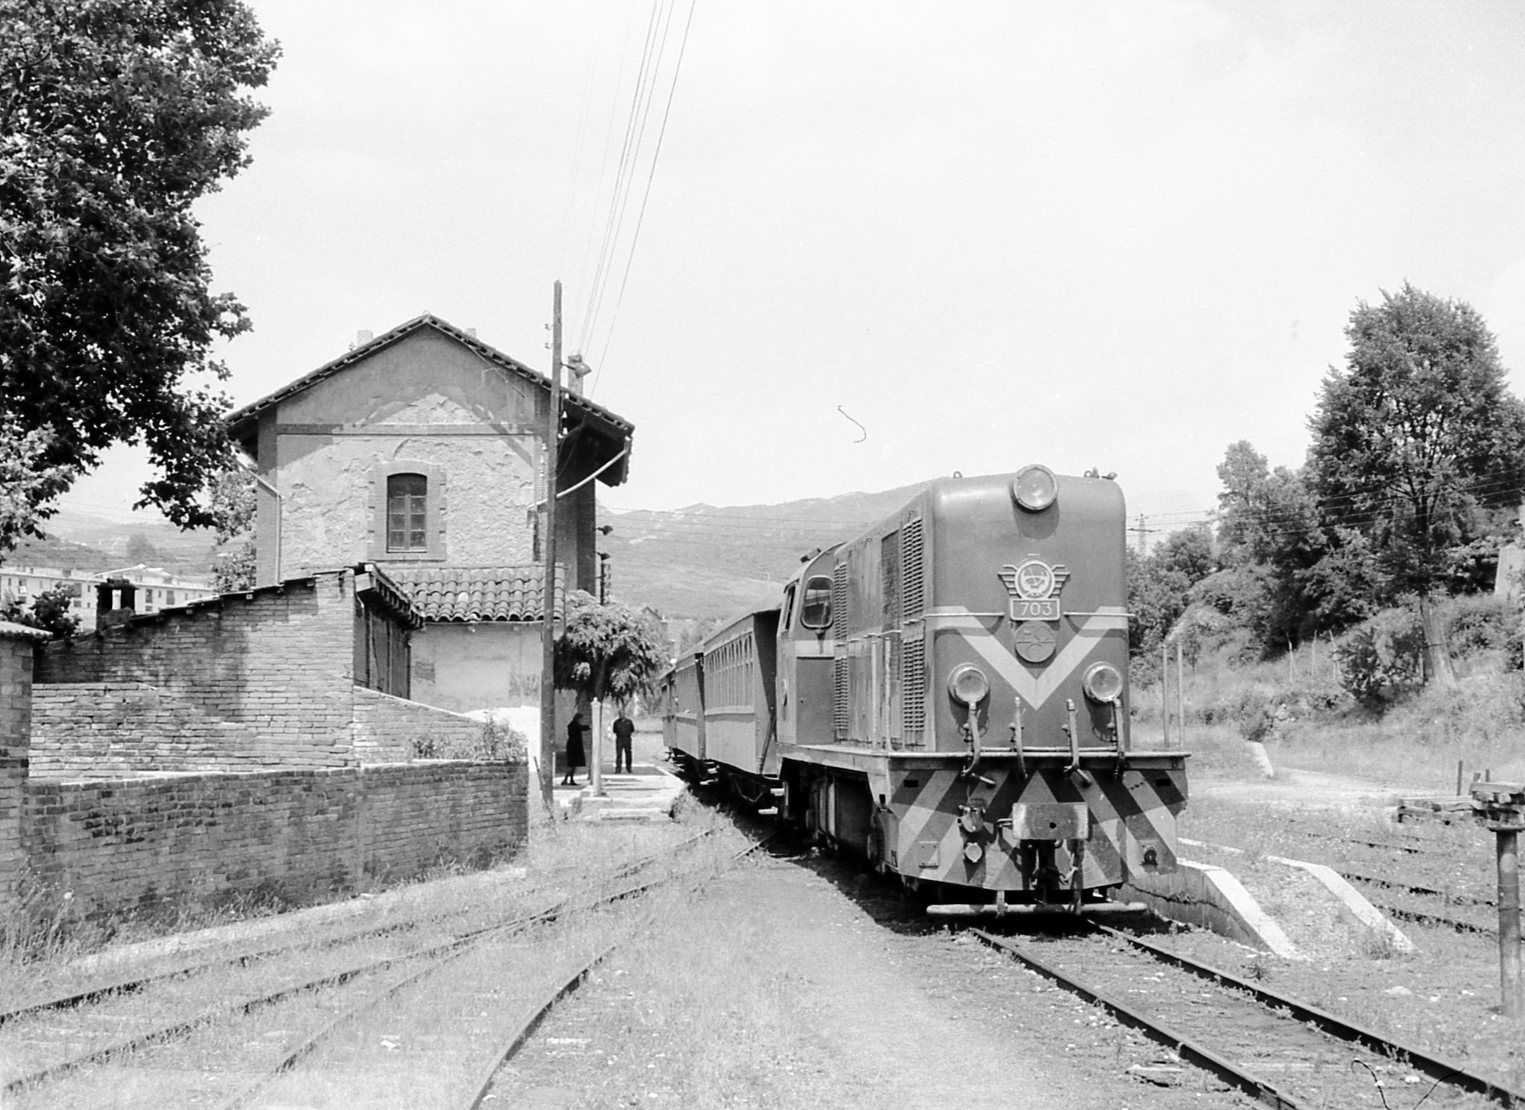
(839,714)
(889,566)
(839,601)
(913,690)
(912,596)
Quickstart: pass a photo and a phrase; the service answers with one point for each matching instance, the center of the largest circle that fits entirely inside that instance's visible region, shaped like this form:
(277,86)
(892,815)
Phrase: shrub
(498,740)
(1382,657)
(1480,623)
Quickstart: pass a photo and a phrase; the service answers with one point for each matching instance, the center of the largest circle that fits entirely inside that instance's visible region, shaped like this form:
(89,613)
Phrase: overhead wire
(651,172)
(624,220)
(619,193)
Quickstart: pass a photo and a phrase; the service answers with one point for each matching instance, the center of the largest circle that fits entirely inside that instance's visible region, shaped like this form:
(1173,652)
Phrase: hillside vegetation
(1352,704)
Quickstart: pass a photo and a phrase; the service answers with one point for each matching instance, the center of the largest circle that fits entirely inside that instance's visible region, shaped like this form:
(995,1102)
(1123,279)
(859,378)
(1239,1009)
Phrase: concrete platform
(1209,897)
(648,793)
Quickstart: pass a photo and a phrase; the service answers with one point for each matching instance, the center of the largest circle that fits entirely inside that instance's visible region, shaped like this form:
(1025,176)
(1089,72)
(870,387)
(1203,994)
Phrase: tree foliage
(50,611)
(608,650)
(1418,439)
(27,479)
(233,508)
(1160,585)
(1287,576)
(115,117)
(1419,446)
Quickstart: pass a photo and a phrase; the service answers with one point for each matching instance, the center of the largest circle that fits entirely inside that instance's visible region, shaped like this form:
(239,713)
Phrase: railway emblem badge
(1034,589)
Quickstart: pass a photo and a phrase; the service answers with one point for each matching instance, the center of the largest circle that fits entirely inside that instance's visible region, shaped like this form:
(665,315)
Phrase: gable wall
(425,400)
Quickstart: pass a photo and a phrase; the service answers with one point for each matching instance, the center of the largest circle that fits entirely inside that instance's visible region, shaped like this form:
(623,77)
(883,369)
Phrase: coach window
(816,610)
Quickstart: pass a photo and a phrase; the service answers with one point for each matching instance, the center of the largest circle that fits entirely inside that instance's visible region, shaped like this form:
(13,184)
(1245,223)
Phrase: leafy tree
(1418,444)
(608,650)
(233,506)
(115,117)
(1160,584)
(26,479)
(1287,575)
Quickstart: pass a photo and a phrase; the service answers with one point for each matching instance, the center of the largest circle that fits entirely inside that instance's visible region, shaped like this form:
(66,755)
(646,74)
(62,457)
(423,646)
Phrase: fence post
(1165,692)
(1180,695)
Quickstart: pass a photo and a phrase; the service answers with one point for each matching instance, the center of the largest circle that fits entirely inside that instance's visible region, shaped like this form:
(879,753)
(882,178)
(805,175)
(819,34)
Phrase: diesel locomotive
(946,695)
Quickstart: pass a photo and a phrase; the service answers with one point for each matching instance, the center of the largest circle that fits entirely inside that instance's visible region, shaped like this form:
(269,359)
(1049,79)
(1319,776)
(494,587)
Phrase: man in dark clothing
(575,756)
(624,730)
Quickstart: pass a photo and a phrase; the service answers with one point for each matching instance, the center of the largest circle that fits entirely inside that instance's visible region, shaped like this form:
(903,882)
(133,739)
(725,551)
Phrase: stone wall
(253,680)
(194,841)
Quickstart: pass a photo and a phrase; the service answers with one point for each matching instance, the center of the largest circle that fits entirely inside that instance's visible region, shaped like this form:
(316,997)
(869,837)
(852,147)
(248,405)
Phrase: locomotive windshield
(816,611)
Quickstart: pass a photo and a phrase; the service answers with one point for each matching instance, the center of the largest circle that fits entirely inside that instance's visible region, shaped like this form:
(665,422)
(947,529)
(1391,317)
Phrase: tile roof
(241,423)
(473,593)
(11,631)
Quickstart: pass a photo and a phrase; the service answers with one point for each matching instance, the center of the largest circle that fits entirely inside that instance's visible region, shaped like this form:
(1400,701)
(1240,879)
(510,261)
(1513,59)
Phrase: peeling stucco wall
(427,400)
(463,666)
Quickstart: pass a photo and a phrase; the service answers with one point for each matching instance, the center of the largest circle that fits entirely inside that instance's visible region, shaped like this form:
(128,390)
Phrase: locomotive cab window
(788,607)
(815,611)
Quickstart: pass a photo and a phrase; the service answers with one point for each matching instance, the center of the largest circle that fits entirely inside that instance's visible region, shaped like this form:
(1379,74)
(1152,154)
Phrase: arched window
(407,512)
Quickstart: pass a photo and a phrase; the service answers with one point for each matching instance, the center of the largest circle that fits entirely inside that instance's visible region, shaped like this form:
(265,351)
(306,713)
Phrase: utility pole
(548,587)
(1142,532)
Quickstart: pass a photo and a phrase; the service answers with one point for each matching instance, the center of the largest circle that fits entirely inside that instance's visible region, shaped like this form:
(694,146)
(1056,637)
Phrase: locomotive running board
(996,909)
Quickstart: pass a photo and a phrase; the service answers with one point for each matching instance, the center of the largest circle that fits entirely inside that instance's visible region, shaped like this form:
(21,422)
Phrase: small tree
(608,650)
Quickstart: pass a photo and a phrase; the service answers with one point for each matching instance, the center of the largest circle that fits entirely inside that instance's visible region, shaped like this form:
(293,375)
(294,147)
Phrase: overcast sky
(1117,235)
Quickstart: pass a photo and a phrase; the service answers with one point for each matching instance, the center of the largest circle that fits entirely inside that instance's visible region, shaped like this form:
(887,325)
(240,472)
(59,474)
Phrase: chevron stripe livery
(1126,827)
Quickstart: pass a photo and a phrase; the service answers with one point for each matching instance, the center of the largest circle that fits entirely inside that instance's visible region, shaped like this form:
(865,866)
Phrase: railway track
(1271,1047)
(63,1048)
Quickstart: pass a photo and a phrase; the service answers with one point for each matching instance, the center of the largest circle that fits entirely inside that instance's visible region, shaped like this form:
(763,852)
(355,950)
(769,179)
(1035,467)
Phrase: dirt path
(1294,787)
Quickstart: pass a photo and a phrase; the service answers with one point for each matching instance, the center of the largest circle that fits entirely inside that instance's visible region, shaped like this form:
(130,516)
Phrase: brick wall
(419,814)
(15,740)
(103,729)
(394,730)
(195,840)
(269,671)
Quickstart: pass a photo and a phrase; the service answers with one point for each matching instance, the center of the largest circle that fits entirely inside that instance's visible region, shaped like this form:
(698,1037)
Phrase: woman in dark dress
(575,756)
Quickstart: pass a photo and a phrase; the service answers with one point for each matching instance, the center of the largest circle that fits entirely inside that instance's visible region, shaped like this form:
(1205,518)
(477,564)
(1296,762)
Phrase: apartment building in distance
(152,589)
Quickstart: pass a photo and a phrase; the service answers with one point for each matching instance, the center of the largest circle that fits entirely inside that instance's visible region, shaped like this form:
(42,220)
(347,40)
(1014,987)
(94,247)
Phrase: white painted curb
(1352,901)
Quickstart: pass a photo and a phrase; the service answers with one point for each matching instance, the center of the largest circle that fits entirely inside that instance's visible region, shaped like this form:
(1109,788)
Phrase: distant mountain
(80,541)
(705,562)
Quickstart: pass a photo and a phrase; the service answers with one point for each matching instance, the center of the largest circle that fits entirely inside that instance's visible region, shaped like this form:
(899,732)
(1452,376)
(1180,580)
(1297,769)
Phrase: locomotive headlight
(968,685)
(1034,488)
(1103,683)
